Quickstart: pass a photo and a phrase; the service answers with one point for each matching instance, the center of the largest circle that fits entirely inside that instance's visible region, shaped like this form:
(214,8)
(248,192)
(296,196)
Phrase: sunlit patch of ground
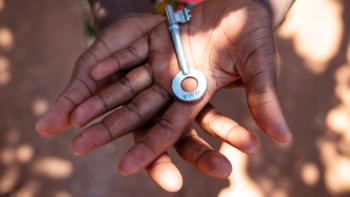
(40,106)
(53,167)
(9,179)
(14,155)
(30,189)
(336,154)
(7,41)
(315,28)
(2,5)
(310,174)
(62,194)
(241,183)
(5,75)
(337,168)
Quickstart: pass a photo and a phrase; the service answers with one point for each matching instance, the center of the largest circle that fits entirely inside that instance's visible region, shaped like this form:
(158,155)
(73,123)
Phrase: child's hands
(231,42)
(83,89)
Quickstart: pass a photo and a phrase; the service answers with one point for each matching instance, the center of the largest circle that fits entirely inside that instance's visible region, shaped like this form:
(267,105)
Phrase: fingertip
(123,168)
(89,140)
(76,148)
(252,145)
(50,125)
(96,73)
(136,159)
(76,118)
(215,164)
(279,131)
(102,69)
(167,176)
(56,119)
(41,129)
(284,136)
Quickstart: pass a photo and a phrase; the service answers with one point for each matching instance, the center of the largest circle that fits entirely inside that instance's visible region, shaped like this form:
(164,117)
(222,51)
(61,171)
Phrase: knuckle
(107,128)
(133,51)
(134,109)
(81,61)
(128,85)
(116,60)
(149,147)
(91,88)
(103,100)
(149,70)
(230,130)
(167,125)
(105,41)
(208,116)
(257,80)
(68,98)
(261,102)
(87,59)
(160,91)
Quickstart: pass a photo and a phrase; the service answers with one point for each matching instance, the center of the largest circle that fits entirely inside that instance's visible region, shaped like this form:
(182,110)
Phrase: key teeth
(180,16)
(187,13)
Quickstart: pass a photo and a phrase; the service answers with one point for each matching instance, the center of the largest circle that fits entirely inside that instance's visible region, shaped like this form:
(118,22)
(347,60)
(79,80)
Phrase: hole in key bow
(189,84)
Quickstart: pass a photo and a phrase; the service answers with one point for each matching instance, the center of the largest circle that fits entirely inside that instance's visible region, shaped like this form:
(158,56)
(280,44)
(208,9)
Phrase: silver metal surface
(194,95)
(175,33)
(184,16)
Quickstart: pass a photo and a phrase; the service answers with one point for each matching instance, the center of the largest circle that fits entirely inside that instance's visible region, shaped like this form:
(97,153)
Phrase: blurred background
(39,43)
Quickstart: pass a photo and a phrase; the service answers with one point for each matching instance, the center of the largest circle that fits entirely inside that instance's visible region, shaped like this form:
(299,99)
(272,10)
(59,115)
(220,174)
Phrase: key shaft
(174,19)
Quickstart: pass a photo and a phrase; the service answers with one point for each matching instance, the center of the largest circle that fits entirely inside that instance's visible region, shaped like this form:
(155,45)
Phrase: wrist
(267,5)
(278,9)
(106,12)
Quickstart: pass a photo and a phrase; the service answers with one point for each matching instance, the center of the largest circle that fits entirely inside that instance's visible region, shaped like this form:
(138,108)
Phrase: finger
(122,121)
(114,95)
(262,97)
(163,135)
(57,118)
(226,129)
(175,120)
(196,151)
(162,170)
(122,59)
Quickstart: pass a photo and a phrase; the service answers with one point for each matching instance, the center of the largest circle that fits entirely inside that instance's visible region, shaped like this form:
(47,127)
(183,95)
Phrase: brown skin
(240,55)
(82,88)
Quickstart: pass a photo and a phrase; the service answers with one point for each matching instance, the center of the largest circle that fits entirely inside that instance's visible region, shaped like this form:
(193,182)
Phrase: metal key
(174,19)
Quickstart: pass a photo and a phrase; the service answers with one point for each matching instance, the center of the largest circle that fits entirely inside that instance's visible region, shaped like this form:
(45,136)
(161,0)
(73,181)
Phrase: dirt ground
(39,42)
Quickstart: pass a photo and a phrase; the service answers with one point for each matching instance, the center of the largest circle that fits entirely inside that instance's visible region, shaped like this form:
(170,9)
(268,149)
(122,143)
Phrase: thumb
(260,84)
